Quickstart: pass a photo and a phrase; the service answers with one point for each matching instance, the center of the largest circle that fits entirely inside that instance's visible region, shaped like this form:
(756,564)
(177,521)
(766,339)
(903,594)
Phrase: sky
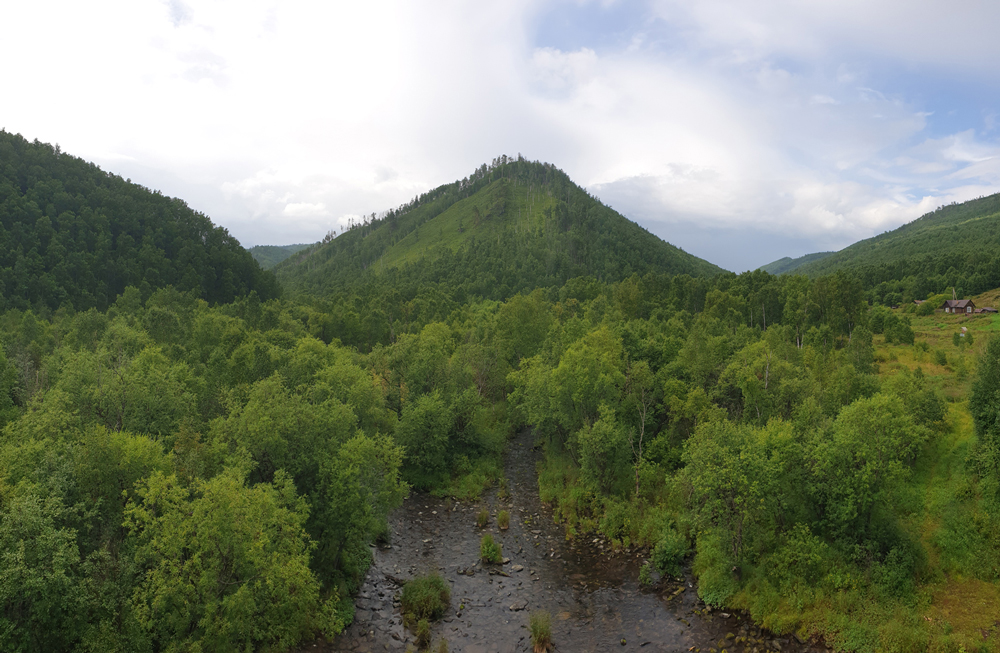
(739,131)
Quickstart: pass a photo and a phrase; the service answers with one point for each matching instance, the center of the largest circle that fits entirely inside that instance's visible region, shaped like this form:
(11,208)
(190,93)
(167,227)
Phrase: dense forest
(954,246)
(180,472)
(511,226)
(73,235)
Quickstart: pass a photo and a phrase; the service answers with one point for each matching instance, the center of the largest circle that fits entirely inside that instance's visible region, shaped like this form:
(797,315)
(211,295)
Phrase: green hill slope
(270,255)
(788,264)
(72,233)
(511,226)
(956,245)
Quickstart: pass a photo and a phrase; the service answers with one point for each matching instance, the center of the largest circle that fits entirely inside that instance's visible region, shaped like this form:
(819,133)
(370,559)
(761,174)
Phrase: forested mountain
(954,246)
(270,255)
(511,226)
(197,467)
(787,264)
(73,234)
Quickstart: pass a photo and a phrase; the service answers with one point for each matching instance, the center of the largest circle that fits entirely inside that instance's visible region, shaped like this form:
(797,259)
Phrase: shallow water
(594,597)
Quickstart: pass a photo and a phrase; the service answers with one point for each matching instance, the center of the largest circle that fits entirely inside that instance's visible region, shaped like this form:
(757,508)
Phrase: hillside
(787,264)
(71,233)
(956,245)
(270,255)
(511,226)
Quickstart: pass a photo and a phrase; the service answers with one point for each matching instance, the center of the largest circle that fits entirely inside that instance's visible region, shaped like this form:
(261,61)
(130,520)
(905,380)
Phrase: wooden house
(958,306)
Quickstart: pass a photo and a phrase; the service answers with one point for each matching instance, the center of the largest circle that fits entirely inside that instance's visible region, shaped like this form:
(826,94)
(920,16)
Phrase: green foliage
(228,564)
(898,330)
(425,597)
(984,404)
(468,235)
(735,473)
(482,518)
(270,255)
(646,574)
(490,551)
(717,572)
(357,486)
(953,246)
(864,461)
(602,449)
(41,599)
(669,553)
(540,626)
(76,236)
(423,431)
(503,520)
(742,417)
(423,633)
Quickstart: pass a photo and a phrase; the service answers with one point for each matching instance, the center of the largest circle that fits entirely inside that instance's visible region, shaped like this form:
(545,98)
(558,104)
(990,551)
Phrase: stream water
(594,597)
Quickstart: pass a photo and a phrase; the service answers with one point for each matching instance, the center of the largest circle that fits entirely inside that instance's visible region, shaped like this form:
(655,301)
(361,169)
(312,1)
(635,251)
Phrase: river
(594,598)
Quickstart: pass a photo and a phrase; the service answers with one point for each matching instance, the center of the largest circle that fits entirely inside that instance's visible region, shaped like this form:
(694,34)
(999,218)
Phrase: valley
(198,454)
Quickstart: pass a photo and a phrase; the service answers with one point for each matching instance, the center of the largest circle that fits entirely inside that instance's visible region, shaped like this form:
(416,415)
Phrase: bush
(483,518)
(540,624)
(646,575)
(717,580)
(425,597)
(490,550)
(940,357)
(504,491)
(423,633)
(503,520)
(669,553)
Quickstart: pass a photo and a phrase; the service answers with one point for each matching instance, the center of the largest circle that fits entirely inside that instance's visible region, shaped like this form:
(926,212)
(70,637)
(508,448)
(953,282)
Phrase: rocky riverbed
(594,597)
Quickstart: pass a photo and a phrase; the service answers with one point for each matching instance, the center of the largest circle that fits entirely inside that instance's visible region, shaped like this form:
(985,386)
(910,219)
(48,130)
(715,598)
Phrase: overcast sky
(740,131)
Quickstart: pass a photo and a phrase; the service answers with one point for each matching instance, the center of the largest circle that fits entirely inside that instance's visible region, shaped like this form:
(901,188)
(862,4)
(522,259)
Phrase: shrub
(540,624)
(716,581)
(668,555)
(503,520)
(490,550)
(940,357)
(423,633)
(425,597)
(482,518)
(646,574)
(504,491)
(443,646)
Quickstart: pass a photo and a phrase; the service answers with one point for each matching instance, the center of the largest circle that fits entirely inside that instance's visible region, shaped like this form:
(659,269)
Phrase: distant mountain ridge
(74,235)
(270,255)
(787,264)
(509,227)
(953,247)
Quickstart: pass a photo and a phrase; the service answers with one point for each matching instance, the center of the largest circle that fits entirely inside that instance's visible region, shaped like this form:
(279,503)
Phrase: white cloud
(283,120)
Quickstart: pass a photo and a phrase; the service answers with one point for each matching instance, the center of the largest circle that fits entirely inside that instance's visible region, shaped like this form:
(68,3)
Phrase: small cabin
(986,309)
(958,306)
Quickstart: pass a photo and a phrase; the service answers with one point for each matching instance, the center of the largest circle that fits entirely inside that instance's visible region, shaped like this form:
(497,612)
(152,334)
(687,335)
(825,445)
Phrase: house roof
(957,303)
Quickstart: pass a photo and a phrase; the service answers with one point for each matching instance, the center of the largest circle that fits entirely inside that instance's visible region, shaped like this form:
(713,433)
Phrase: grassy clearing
(523,213)
(956,606)
(963,615)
